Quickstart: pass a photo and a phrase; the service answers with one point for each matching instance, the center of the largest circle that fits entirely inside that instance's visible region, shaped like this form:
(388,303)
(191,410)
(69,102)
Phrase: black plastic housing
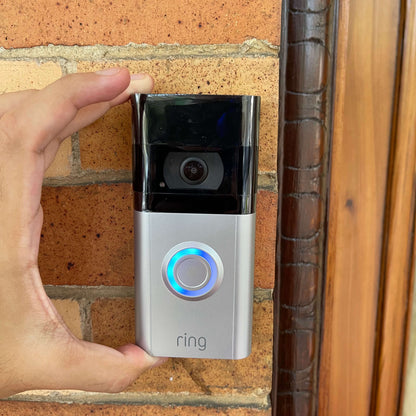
(175,133)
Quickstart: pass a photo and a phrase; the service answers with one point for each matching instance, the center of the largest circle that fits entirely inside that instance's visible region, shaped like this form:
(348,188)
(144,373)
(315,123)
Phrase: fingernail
(109,71)
(160,361)
(136,77)
(157,361)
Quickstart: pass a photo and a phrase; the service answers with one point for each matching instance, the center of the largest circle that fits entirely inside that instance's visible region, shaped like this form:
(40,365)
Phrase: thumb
(94,367)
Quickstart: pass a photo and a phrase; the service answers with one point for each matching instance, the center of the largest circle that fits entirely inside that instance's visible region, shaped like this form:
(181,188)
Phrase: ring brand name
(189,341)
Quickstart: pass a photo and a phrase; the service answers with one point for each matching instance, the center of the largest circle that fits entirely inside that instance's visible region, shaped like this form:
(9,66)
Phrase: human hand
(37,351)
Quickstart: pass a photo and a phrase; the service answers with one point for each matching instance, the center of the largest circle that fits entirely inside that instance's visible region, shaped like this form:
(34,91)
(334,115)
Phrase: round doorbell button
(192,270)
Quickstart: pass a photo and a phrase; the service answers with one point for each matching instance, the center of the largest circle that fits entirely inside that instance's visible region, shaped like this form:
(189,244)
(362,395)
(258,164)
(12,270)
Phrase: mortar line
(64,66)
(89,293)
(92,293)
(76,168)
(253,401)
(85,316)
(267,180)
(87,177)
(249,48)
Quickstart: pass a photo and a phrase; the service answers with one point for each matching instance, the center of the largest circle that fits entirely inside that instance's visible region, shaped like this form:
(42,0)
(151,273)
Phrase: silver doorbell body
(194,182)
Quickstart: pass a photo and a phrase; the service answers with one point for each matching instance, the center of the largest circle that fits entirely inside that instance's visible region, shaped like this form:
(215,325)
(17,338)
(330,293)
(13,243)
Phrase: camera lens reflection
(193,170)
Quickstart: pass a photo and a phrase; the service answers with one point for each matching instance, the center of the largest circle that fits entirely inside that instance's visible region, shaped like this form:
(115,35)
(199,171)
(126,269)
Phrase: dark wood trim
(306,94)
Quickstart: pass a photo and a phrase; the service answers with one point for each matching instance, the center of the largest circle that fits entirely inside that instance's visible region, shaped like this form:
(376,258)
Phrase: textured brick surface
(55,409)
(22,75)
(87,237)
(106,144)
(266,220)
(61,166)
(110,22)
(113,325)
(113,321)
(69,310)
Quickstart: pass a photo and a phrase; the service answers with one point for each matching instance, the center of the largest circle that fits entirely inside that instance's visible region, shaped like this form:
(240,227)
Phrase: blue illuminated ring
(192,249)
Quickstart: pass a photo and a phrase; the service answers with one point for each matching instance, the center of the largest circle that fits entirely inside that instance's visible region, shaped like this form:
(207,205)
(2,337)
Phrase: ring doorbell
(194,182)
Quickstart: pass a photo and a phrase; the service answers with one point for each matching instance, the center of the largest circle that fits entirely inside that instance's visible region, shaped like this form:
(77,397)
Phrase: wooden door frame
(347,151)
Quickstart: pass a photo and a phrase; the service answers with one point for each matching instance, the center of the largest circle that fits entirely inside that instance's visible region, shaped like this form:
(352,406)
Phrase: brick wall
(86,253)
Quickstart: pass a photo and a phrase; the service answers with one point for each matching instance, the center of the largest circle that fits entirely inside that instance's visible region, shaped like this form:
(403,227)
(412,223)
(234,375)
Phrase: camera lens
(193,170)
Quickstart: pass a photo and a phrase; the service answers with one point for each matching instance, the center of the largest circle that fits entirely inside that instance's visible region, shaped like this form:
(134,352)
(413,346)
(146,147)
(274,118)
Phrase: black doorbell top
(195,153)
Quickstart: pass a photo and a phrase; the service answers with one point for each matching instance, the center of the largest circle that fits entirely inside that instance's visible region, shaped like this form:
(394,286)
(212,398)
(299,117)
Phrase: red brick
(113,325)
(57,409)
(71,22)
(23,75)
(106,144)
(61,165)
(266,223)
(70,313)
(87,237)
